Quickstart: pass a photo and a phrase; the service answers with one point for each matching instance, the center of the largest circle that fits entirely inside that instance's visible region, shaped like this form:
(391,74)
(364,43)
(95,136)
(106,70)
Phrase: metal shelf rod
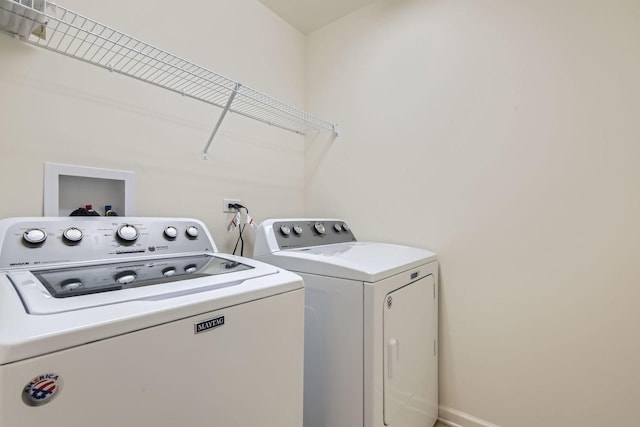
(220,119)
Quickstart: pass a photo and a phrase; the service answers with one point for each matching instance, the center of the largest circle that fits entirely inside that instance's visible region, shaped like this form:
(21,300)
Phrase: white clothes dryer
(371,324)
(130,322)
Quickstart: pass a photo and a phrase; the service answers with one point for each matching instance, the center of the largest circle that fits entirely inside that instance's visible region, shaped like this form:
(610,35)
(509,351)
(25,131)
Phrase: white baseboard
(448,423)
(454,418)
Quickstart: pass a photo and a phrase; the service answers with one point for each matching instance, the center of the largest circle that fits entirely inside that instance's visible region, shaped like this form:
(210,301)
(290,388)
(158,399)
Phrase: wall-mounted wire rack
(53,27)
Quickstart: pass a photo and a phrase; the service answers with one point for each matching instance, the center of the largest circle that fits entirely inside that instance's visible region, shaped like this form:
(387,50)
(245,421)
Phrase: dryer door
(410,380)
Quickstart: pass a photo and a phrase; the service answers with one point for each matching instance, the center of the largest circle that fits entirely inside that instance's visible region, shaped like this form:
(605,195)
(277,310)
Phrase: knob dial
(126,277)
(35,236)
(191,268)
(72,234)
(337,227)
(128,232)
(345,227)
(71,284)
(319,227)
(285,230)
(192,231)
(297,229)
(171,232)
(169,271)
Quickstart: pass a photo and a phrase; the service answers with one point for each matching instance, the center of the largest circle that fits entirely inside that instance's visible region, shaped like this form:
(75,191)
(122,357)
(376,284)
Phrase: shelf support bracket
(225,110)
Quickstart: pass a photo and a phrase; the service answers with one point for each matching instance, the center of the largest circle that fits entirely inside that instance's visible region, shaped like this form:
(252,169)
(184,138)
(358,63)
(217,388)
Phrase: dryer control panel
(302,233)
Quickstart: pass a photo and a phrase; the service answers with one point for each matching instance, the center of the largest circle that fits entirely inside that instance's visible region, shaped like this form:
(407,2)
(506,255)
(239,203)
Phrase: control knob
(171,232)
(71,285)
(285,230)
(297,229)
(72,234)
(192,231)
(319,227)
(337,227)
(126,277)
(34,236)
(169,271)
(128,232)
(191,268)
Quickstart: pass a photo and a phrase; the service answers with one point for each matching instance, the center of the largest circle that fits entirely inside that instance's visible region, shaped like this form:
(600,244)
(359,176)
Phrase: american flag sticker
(41,389)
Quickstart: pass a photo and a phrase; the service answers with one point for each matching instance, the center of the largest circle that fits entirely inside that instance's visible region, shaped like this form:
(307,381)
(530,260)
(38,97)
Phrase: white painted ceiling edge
(309,15)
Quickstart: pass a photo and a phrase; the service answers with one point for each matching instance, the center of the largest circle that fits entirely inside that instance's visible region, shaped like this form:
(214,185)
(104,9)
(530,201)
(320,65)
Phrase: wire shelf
(53,27)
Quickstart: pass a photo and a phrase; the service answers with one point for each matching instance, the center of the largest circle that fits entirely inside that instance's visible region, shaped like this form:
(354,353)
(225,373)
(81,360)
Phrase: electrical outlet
(227,202)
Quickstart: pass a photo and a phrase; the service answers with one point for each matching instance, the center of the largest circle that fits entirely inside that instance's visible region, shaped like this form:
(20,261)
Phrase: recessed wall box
(68,187)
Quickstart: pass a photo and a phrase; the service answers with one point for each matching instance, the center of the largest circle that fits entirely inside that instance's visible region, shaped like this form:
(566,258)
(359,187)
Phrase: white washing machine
(130,322)
(371,335)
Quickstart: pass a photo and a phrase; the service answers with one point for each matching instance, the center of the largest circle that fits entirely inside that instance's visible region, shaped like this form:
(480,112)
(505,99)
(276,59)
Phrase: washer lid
(57,290)
(365,261)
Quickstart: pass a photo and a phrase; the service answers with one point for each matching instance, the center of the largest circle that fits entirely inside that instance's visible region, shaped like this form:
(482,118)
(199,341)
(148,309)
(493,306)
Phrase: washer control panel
(46,241)
(299,234)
